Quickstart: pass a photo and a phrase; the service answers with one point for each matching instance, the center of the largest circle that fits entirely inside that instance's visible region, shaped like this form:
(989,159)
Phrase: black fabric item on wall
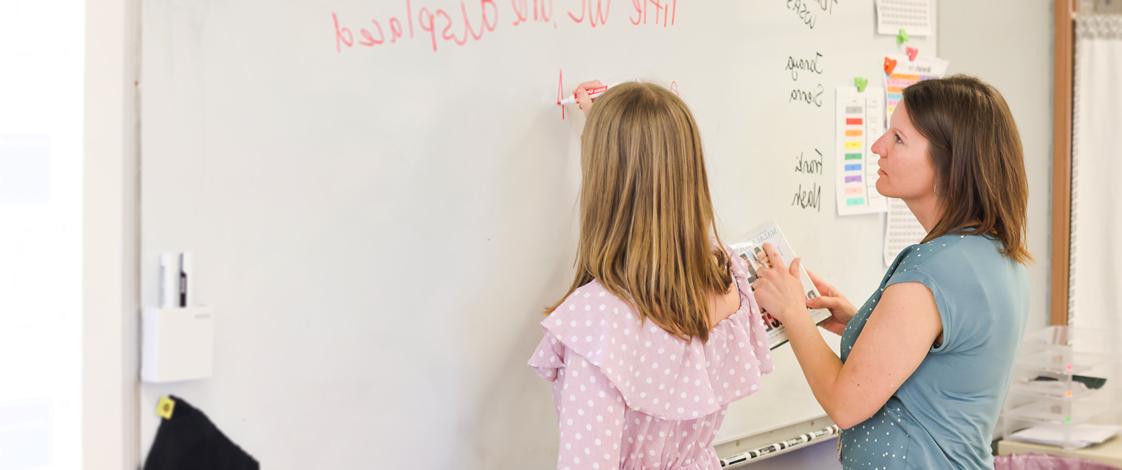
(190,441)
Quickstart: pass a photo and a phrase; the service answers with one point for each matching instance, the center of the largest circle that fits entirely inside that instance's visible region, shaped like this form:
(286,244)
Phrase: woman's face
(906,170)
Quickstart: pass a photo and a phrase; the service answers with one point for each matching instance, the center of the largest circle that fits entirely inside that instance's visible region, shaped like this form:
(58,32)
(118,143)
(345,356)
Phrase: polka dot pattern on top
(630,395)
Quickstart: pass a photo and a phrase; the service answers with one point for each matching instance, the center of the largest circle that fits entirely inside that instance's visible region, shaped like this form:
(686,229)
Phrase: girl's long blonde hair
(647,229)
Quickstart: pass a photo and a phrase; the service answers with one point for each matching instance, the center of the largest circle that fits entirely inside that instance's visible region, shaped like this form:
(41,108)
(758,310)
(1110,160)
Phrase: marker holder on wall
(177,344)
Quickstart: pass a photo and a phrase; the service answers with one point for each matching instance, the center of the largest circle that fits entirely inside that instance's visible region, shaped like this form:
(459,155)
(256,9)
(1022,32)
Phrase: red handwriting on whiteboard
(472,20)
(592,12)
(663,12)
(561,91)
(439,19)
(540,11)
(437,25)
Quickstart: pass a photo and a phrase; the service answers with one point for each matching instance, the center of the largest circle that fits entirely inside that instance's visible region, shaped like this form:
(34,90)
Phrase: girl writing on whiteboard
(926,360)
(659,331)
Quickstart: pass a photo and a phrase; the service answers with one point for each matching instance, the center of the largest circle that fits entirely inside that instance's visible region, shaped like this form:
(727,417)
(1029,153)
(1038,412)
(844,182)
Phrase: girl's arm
(590,414)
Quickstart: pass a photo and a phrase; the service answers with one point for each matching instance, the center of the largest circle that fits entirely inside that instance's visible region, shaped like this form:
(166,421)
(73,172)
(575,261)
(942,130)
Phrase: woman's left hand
(778,288)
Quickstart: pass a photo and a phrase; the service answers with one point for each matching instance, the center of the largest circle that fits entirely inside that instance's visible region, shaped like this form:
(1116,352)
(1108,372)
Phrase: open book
(751,251)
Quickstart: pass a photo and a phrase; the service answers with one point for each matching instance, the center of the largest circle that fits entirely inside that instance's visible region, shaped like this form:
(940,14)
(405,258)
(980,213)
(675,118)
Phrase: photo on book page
(751,251)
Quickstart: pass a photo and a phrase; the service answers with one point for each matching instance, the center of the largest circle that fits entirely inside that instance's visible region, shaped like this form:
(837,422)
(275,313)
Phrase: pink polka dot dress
(629,395)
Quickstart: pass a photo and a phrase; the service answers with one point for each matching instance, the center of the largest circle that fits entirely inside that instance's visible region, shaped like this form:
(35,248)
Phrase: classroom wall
(1008,43)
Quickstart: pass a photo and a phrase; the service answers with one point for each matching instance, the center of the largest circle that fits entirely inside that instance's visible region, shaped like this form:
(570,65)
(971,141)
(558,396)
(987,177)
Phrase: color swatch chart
(860,121)
(901,72)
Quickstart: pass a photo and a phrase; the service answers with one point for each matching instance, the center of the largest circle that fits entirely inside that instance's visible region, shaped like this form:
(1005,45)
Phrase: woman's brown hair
(647,231)
(978,158)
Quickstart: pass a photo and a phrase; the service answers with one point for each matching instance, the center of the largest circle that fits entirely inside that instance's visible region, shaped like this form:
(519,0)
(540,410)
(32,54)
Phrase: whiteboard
(377,229)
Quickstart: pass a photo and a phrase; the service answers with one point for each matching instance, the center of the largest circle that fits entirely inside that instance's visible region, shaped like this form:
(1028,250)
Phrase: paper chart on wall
(859,122)
(900,71)
(901,230)
(914,16)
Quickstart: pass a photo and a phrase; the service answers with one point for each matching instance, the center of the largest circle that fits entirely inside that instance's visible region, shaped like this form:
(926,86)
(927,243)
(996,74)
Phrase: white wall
(1008,43)
(110,284)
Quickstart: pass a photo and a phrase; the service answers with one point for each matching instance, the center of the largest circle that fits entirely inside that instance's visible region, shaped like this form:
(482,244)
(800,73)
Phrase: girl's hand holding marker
(585,93)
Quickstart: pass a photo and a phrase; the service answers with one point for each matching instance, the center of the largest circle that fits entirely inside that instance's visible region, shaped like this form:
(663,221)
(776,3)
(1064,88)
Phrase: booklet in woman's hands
(751,250)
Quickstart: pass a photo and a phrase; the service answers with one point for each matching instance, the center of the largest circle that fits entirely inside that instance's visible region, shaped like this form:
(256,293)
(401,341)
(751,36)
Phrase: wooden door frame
(1063,74)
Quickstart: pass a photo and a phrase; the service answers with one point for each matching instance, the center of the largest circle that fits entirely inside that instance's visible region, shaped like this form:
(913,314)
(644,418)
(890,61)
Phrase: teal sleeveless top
(944,414)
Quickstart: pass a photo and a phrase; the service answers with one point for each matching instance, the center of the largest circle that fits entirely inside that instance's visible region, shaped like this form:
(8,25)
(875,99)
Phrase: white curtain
(1096,221)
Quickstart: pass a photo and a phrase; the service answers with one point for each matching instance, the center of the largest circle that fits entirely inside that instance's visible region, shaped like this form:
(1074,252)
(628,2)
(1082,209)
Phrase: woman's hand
(841,310)
(581,93)
(778,288)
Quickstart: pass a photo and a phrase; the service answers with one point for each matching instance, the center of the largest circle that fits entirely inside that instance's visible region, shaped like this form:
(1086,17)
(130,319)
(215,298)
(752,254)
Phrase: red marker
(593,93)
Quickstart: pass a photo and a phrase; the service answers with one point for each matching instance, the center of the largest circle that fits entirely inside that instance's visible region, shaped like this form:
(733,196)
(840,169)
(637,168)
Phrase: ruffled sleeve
(755,320)
(654,372)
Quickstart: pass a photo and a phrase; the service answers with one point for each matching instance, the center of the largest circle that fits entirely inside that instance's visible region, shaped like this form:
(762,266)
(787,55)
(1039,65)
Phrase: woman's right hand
(841,310)
(581,93)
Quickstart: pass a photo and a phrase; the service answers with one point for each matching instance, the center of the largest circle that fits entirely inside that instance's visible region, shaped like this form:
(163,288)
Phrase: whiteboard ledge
(785,430)
(736,447)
